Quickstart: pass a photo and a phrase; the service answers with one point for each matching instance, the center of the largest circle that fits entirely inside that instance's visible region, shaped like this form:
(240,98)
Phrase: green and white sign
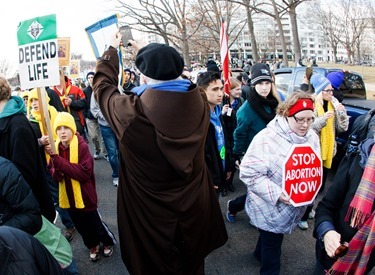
(37,52)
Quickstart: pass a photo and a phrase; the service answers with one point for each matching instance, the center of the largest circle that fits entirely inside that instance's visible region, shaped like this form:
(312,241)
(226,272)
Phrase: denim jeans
(63,213)
(111,143)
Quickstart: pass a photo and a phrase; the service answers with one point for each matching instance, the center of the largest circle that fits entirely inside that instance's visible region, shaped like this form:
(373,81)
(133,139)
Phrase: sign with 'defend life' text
(302,175)
(38,52)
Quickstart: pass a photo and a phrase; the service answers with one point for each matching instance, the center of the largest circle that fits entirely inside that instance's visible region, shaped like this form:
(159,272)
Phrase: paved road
(235,257)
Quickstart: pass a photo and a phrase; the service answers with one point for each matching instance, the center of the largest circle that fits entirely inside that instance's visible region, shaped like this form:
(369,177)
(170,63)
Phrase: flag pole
(224,57)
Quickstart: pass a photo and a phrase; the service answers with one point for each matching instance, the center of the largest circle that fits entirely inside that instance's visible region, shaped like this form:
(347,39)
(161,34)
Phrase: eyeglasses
(341,250)
(328,91)
(303,120)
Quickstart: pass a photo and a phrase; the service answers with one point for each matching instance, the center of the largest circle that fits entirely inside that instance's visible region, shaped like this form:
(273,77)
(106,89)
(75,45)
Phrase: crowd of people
(174,147)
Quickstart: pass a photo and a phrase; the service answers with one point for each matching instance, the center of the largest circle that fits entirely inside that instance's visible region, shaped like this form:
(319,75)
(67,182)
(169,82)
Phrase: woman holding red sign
(267,206)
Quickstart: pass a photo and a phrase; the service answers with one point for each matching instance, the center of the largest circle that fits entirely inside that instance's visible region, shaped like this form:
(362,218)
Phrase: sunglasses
(341,250)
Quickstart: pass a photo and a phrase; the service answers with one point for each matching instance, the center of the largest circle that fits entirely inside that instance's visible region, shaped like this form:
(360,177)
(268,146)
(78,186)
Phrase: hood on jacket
(181,121)
(14,106)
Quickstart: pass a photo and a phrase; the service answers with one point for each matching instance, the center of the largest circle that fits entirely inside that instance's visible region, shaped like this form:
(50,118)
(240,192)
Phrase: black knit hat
(89,73)
(212,66)
(159,62)
(260,72)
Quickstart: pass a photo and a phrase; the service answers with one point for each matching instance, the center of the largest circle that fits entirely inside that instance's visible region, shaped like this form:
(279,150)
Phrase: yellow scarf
(52,115)
(327,136)
(77,193)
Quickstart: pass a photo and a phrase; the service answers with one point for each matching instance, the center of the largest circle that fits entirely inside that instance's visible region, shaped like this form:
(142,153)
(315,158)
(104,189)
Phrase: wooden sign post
(45,117)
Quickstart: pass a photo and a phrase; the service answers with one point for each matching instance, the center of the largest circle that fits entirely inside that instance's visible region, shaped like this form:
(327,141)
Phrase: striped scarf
(327,137)
(63,195)
(362,217)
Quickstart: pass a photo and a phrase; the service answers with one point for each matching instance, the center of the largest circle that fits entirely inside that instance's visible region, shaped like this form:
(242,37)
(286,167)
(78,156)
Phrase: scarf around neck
(15,105)
(219,134)
(77,193)
(178,85)
(327,136)
(261,105)
(361,216)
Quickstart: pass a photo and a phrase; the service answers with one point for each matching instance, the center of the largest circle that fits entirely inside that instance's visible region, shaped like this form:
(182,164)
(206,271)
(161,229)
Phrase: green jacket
(249,123)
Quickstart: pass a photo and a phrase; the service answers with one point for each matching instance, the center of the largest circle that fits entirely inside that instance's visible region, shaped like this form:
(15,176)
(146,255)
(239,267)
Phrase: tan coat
(169,217)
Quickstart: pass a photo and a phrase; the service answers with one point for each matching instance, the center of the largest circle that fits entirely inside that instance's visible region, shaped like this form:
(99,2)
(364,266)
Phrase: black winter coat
(21,253)
(18,143)
(18,206)
(334,206)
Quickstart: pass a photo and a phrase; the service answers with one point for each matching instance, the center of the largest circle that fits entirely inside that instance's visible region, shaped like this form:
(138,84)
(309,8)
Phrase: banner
(224,57)
(64,51)
(74,69)
(38,52)
(100,33)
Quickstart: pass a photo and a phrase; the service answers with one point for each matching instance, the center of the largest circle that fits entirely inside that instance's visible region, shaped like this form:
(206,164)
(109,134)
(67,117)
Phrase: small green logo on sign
(35,30)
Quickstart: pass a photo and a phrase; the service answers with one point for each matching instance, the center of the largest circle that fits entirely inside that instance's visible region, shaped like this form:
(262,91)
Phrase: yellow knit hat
(24,94)
(65,119)
(33,94)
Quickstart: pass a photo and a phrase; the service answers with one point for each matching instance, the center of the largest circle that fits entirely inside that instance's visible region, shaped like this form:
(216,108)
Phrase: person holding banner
(19,144)
(267,204)
(73,167)
(169,217)
(36,121)
(344,220)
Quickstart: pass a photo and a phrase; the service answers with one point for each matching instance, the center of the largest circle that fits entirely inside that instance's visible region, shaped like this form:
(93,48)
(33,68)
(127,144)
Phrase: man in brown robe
(168,215)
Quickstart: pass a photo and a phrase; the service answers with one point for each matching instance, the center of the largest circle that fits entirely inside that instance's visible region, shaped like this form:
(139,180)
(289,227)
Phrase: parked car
(290,79)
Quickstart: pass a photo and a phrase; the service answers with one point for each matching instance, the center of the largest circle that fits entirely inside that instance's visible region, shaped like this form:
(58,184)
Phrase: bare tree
(166,18)
(4,68)
(212,13)
(327,20)
(351,24)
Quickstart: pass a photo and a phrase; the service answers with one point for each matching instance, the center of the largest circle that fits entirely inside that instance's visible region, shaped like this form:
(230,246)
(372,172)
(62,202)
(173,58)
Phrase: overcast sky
(72,16)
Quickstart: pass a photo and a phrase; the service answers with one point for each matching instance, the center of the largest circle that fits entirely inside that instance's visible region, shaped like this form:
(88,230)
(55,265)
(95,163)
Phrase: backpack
(359,131)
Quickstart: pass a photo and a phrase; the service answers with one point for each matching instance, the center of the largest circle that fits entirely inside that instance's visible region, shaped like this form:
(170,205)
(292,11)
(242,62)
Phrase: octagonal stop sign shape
(302,175)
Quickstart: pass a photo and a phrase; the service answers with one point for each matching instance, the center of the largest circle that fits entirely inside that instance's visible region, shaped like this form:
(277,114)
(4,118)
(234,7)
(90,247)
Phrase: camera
(127,35)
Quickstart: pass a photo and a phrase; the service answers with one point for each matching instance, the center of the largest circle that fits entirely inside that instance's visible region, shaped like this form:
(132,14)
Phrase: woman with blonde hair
(331,119)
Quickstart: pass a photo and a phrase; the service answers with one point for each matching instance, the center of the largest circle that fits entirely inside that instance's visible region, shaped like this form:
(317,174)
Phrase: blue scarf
(235,103)
(15,105)
(179,85)
(219,134)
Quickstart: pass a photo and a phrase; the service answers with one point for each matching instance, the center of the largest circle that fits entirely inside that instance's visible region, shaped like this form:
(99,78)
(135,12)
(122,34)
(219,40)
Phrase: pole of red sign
(224,55)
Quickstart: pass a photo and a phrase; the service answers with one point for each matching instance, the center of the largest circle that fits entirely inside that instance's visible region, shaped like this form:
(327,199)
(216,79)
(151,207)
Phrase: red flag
(224,57)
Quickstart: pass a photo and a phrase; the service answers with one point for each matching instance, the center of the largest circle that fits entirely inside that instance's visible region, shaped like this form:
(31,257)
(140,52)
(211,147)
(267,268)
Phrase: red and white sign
(302,175)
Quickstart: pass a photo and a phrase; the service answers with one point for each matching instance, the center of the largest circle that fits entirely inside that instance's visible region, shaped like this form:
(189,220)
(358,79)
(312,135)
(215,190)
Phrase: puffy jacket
(18,206)
(21,253)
